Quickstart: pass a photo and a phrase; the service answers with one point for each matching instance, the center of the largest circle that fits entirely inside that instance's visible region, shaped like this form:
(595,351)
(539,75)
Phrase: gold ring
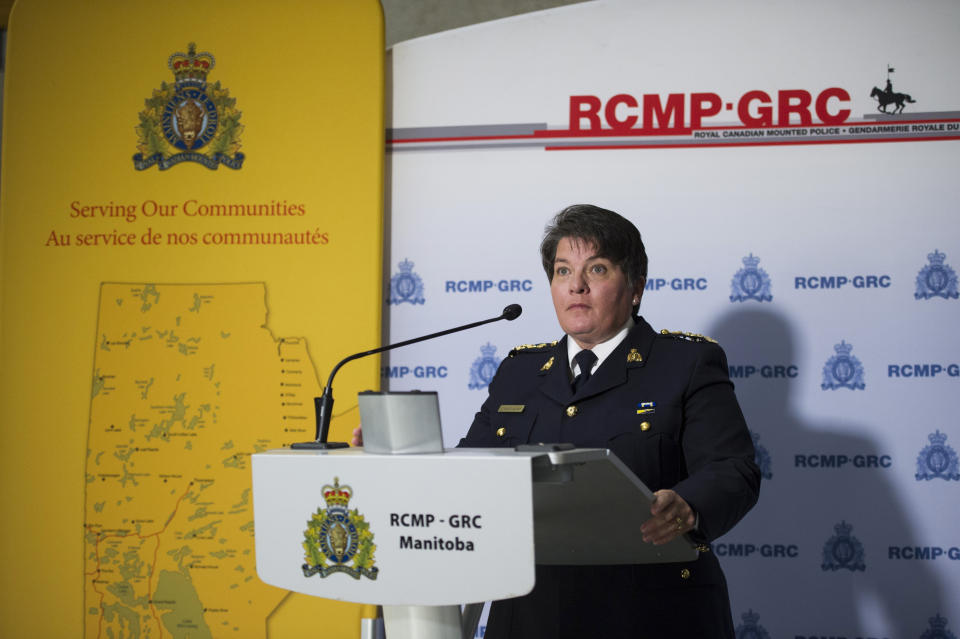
(679,524)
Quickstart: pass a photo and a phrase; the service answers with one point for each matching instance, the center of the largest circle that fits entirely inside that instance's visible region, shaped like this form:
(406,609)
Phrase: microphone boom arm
(323,405)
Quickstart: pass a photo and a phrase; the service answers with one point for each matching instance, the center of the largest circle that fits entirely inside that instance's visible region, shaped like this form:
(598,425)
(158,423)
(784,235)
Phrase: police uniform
(664,404)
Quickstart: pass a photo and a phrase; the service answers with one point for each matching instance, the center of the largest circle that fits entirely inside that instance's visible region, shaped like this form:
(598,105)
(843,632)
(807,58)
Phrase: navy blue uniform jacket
(695,441)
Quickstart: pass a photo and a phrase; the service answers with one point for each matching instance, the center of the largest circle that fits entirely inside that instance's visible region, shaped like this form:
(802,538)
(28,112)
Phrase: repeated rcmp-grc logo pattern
(749,629)
(750,282)
(938,461)
(936,279)
(190,120)
(406,286)
(843,550)
(761,457)
(338,535)
(484,367)
(843,370)
(938,629)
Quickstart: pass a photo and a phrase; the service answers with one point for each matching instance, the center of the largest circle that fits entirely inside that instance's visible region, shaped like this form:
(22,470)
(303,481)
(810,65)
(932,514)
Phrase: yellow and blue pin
(645,408)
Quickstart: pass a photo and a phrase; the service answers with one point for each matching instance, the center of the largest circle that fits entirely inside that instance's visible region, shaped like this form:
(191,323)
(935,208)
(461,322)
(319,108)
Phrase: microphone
(323,405)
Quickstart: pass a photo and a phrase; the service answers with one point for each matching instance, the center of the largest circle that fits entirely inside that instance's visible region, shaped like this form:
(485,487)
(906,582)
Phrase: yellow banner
(191,223)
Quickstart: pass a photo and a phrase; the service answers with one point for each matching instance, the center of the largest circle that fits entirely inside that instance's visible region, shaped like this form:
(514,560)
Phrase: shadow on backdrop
(841,580)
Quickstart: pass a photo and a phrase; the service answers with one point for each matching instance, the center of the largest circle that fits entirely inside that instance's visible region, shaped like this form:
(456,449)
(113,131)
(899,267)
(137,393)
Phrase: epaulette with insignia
(532,348)
(686,335)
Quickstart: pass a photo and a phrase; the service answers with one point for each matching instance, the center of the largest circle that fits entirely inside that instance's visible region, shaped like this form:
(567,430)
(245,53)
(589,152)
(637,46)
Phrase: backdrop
(792,168)
(191,220)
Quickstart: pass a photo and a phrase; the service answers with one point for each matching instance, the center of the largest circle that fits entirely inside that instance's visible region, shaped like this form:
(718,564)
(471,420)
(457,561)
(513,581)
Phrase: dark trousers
(608,602)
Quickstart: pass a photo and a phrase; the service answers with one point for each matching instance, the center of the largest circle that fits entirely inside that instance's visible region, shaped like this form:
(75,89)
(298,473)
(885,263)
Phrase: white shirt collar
(601,350)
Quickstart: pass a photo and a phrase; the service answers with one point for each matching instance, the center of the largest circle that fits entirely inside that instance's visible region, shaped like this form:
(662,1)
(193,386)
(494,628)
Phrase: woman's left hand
(672,517)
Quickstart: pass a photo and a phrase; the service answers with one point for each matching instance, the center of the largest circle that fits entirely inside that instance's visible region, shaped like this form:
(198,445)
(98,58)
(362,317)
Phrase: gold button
(571,411)
(644,425)
(685,573)
(501,431)
(703,548)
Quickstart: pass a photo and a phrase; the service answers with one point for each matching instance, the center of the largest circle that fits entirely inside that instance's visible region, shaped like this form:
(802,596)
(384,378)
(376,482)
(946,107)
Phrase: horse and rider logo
(887,96)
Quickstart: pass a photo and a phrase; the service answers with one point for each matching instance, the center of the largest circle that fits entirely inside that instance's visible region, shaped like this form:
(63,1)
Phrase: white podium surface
(458,525)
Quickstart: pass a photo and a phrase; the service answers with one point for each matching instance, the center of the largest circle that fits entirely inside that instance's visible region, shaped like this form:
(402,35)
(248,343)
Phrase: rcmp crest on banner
(843,370)
(936,279)
(751,282)
(937,629)
(338,539)
(761,457)
(484,367)
(189,120)
(406,286)
(938,461)
(843,550)
(750,629)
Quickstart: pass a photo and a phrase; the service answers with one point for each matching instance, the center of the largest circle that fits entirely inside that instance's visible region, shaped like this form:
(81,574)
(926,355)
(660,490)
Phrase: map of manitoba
(188,382)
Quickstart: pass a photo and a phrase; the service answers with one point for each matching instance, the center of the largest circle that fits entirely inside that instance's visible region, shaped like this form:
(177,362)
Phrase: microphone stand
(323,405)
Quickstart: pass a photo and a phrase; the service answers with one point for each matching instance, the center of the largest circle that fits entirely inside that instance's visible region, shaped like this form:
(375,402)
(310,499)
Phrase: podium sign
(360,527)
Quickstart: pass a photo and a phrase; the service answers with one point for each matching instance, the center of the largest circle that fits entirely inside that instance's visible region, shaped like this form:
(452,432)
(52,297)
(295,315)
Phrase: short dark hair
(615,237)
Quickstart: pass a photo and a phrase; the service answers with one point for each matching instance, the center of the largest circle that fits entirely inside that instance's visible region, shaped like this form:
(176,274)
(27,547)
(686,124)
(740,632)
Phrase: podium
(423,533)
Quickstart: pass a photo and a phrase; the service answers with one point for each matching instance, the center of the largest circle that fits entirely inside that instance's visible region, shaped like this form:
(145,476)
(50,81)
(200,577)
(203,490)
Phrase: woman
(663,403)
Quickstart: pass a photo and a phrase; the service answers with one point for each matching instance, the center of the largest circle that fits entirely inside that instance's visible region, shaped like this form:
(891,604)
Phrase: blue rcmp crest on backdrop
(937,629)
(761,457)
(750,629)
(843,370)
(938,461)
(484,367)
(750,282)
(406,286)
(936,279)
(843,550)
(190,120)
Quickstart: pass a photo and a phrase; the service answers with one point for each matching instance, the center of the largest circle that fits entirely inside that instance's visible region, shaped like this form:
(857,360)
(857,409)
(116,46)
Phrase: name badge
(511,408)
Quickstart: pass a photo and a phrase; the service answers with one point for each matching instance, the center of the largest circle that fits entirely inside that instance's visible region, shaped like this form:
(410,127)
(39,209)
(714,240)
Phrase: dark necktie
(584,359)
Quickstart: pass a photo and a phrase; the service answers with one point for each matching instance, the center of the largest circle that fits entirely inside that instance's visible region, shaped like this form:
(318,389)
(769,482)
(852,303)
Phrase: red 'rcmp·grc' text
(652,112)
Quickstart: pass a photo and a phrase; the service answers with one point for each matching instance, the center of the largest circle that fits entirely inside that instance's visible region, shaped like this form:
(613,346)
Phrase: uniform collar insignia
(547,365)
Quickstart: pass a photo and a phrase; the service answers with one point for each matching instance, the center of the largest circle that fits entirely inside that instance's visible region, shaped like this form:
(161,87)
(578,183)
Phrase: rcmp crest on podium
(761,457)
(750,629)
(937,629)
(190,120)
(751,282)
(938,461)
(843,370)
(406,286)
(843,550)
(936,279)
(338,539)
(484,367)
